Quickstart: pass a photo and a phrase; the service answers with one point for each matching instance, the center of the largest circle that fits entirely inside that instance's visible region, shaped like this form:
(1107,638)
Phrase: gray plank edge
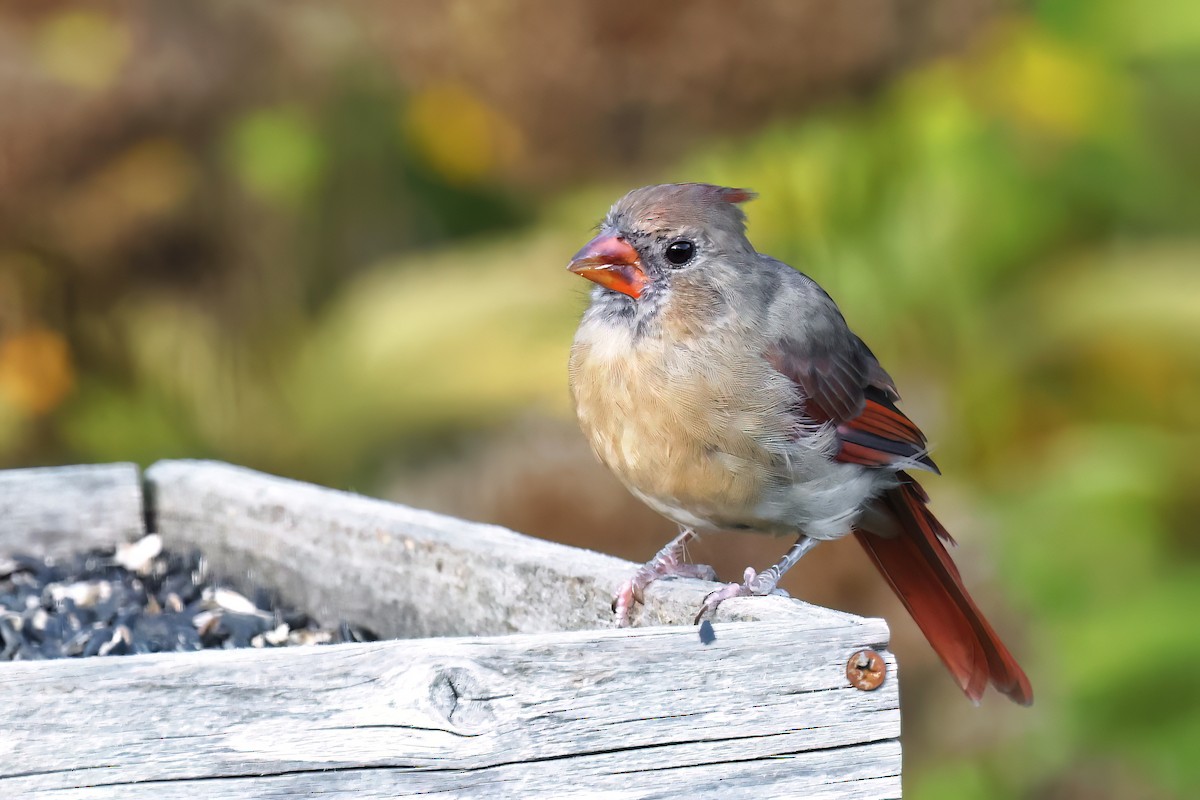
(873,774)
(55,510)
(409,573)
(764,711)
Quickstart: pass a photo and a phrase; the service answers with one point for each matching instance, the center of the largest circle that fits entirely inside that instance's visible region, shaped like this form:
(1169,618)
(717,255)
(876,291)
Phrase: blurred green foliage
(277,154)
(1020,227)
(1015,230)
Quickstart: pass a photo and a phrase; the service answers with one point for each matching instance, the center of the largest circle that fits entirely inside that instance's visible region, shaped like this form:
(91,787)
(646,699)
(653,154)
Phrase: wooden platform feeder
(502,676)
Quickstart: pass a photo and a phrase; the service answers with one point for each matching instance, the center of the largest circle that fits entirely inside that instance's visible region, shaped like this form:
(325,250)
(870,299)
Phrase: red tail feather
(920,570)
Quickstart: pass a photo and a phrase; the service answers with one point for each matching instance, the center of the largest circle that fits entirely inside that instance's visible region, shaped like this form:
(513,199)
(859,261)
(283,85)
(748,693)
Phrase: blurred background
(329,242)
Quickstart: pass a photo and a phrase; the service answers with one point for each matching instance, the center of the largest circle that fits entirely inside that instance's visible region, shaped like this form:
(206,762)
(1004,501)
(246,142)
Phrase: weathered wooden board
(559,710)
(763,712)
(58,509)
(410,573)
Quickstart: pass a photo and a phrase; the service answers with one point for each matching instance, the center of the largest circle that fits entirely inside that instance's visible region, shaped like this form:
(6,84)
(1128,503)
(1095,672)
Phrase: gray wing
(842,382)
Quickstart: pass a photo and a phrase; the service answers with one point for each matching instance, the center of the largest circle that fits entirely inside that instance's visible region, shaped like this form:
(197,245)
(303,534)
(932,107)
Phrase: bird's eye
(680,252)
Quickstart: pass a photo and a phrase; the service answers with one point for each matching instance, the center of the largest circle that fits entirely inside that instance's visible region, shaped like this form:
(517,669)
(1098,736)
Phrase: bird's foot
(753,585)
(668,563)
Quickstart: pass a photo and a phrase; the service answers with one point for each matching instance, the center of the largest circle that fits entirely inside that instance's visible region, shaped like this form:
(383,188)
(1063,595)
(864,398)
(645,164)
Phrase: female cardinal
(726,391)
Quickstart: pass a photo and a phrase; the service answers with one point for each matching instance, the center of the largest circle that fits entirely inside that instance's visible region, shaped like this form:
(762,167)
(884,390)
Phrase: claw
(624,601)
(758,584)
(753,585)
(667,563)
(714,599)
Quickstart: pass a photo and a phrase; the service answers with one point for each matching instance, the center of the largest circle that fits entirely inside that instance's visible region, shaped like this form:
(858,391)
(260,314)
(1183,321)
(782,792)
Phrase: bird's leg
(761,583)
(667,563)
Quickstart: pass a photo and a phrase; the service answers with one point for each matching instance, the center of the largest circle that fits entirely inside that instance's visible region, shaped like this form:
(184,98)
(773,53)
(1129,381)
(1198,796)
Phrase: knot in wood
(462,696)
(866,670)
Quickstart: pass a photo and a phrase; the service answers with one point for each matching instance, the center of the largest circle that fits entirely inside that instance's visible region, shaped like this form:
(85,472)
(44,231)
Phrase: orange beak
(611,262)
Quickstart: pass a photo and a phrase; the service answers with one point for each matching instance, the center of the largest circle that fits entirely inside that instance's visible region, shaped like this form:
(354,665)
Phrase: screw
(866,670)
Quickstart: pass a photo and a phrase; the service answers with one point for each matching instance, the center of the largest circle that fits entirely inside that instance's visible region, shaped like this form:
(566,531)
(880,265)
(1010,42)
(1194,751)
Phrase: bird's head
(659,236)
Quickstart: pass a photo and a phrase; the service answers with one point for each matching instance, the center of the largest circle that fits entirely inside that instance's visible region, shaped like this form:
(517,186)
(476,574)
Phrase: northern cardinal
(727,392)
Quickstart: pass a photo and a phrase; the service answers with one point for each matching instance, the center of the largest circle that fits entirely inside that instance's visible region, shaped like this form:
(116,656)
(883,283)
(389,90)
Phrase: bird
(726,391)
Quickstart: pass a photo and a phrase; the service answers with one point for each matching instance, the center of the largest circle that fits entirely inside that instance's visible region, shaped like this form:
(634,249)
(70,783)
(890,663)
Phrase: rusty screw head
(866,670)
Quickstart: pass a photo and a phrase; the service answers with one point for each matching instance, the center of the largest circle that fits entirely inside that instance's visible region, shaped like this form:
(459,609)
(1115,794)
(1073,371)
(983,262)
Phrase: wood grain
(54,510)
(409,573)
(765,711)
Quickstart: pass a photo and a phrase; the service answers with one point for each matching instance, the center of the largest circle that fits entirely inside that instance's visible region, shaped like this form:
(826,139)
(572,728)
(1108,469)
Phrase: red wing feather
(851,453)
(841,382)
(882,436)
(889,422)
